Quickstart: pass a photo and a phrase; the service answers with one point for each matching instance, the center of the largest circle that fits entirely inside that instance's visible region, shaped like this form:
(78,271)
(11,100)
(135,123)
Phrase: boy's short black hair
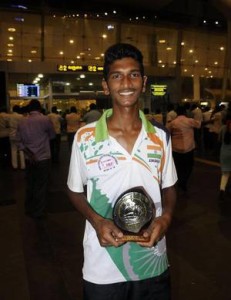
(119,51)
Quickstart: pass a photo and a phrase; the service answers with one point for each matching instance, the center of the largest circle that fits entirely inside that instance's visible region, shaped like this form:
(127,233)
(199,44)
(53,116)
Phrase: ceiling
(181,12)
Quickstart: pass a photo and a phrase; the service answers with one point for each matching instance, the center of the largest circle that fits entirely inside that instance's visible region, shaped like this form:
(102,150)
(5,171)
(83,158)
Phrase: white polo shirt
(99,161)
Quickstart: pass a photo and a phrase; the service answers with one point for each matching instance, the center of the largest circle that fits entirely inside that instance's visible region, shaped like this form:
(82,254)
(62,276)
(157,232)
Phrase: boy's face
(124,82)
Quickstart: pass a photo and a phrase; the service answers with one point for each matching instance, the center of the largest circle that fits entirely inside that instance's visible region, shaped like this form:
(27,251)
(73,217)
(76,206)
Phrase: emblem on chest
(107,162)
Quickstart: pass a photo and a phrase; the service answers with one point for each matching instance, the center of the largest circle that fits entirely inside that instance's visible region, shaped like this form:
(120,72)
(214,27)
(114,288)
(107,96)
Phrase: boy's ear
(144,83)
(105,87)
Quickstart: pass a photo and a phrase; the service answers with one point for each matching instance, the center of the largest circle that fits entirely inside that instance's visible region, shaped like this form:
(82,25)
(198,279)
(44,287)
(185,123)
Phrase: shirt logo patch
(154,156)
(107,162)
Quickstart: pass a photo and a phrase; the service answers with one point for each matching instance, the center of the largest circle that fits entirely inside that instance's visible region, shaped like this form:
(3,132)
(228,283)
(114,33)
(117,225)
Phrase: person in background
(158,116)
(123,150)
(225,157)
(197,115)
(148,115)
(4,138)
(207,143)
(33,135)
(17,156)
(188,109)
(183,145)
(171,113)
(214,130)
(56,120)
(73,123)
(92,115)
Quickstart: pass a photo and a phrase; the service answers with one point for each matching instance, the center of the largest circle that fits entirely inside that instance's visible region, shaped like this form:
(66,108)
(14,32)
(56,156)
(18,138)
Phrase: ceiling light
(162,41)
(11,29)
(82,76)
(71,41)
(104,36)
(10,45)
(11,38)
(61,52)
(19,6)
(110,27)
(19,19)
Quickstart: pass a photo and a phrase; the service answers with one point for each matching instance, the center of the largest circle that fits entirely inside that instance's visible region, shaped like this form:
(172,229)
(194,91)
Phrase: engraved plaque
(133,210)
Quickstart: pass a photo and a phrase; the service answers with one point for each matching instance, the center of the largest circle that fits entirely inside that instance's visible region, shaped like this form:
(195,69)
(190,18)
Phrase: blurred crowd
(202,130)
(194,129)
(65,125)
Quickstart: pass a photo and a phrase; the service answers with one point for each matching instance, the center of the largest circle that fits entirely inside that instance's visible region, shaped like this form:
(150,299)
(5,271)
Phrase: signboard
(79,68)
(158,89)
(27,90)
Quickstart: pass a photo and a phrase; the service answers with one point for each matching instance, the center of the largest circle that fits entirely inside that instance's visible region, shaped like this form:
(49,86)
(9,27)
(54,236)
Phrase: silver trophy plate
(133,210)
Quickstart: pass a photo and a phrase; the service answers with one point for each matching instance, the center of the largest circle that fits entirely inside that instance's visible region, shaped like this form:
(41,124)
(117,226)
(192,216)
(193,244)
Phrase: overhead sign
(158,89)
(79,68)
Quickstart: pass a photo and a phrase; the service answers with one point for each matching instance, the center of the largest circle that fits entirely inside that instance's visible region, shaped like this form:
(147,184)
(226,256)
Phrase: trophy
(133,212)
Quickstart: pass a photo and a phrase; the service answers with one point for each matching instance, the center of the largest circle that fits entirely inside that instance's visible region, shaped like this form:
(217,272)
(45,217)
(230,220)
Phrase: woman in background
(225,157)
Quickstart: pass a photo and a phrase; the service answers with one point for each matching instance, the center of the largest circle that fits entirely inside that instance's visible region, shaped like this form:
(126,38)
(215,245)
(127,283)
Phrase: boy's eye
(116,76)
(135,74)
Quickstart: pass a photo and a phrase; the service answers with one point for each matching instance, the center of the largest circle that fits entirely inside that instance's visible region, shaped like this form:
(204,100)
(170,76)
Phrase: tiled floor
(43,261)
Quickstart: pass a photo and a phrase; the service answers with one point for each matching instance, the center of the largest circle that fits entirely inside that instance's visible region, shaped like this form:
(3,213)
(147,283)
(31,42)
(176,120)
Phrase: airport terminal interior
(53,51)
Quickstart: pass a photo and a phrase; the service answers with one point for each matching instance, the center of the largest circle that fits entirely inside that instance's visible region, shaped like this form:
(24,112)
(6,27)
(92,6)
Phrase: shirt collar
(101,132)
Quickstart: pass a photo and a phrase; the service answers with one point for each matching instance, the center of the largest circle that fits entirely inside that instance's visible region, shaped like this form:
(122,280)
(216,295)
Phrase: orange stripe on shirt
(91,161)
(153,147)
(83,131)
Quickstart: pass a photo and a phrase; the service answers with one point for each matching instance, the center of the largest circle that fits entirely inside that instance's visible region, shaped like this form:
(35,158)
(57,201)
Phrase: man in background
(17,157)
(34,134)
(92,115)
(4,137)
(56,120)
(73,122)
